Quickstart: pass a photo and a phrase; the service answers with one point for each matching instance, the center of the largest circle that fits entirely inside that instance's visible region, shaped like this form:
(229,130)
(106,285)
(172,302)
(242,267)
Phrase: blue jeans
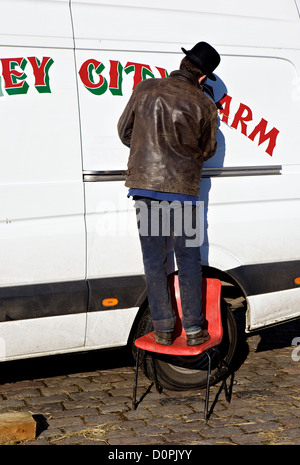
(157,222)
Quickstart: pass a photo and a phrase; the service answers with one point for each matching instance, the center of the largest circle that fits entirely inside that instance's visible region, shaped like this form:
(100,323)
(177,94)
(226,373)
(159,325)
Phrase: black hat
(205,57)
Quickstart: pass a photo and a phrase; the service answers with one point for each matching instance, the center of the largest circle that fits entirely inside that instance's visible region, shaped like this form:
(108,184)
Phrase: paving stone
(167,410)
(11,404)
(153,430)
(47,408)
(22,394)
(136,440)
(65,422)
(290,422)
(182,437)
(55,390)
(214,442)
(20,386)
(140,413)
(247,439)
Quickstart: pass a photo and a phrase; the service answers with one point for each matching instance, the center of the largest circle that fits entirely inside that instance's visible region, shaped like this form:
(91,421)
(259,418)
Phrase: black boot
(163,337)
(197,338)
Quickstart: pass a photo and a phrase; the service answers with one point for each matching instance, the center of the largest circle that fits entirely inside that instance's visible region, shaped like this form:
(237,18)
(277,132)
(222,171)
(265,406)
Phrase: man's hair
(187,65)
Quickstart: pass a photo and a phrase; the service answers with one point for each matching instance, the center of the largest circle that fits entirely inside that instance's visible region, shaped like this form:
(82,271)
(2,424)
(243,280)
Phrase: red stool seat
(211,301)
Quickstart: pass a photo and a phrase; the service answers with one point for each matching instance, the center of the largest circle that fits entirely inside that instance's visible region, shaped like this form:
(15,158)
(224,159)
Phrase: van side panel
(41,178)
(42,200)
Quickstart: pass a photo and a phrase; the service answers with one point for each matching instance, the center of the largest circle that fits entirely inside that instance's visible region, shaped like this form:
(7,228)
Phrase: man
(170,126)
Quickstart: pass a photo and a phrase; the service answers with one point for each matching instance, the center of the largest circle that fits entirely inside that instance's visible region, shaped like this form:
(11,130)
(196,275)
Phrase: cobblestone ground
(85,399)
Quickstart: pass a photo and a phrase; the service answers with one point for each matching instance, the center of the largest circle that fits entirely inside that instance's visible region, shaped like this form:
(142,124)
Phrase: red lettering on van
(116,77)
(140,70)
(41,73)
(263,136)
(88,72)
(224,107)
(162,71)
(243,114)
(98,84)
(14,80)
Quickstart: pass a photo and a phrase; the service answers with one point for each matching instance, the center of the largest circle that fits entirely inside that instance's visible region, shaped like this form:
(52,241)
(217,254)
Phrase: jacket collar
(186,76)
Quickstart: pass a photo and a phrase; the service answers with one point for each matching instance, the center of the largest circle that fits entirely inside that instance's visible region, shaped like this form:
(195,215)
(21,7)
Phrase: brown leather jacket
(170,126)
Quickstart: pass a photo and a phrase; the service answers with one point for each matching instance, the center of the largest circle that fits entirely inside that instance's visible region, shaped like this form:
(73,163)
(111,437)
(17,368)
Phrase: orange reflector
(297,280)
(110,302)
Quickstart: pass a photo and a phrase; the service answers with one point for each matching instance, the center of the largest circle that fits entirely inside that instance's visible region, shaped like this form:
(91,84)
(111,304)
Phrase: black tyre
(184,373)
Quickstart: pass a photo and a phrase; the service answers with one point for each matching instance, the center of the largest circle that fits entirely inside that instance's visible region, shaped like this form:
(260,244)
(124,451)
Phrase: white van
(71,272)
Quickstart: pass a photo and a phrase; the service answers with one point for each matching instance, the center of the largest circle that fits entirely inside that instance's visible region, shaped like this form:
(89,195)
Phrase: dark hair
(187,65)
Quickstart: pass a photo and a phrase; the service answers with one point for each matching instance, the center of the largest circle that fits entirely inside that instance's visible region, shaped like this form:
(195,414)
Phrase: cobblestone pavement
(85,399)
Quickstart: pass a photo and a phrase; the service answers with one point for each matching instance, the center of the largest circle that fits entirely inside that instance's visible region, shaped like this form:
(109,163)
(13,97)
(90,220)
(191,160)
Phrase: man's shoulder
(148,83)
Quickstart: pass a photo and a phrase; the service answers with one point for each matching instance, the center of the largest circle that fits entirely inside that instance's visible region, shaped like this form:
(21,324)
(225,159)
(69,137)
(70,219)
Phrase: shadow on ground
(60,365)
(275,337)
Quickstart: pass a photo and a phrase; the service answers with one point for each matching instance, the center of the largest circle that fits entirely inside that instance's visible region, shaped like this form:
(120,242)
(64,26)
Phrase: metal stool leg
(207,387)
(157,385)
(223,370)
(136,378)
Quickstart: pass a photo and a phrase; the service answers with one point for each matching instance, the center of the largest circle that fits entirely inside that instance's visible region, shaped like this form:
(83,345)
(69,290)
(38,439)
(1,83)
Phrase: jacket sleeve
(125,123)
(208,143)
